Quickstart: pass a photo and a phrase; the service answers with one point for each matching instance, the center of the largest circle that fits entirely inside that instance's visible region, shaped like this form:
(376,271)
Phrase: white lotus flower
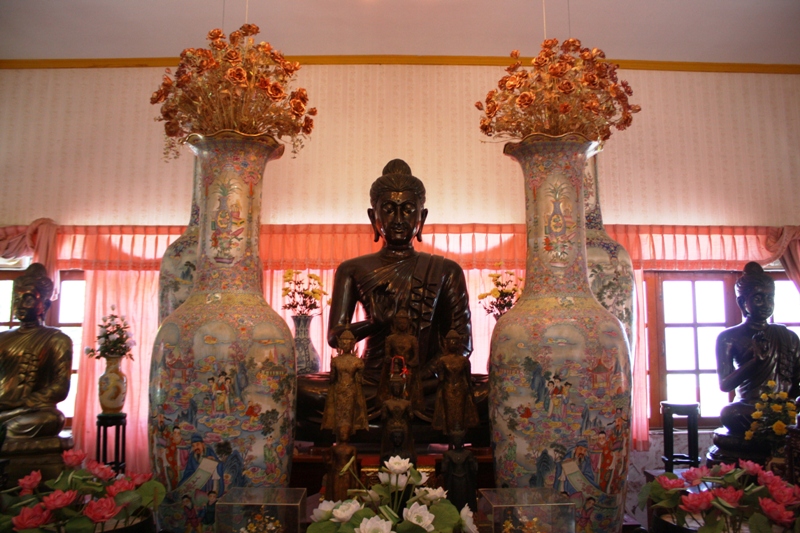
(467,525)
(419,515)
(372,498)
(397,465)
(392,480)
(345,510)
(430,496)
(374,525)
(324,511)
(424,478)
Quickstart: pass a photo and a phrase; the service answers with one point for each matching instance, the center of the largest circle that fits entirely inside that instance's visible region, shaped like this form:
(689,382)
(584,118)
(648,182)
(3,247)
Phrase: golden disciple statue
(35,363)
(455,406)
(345,406)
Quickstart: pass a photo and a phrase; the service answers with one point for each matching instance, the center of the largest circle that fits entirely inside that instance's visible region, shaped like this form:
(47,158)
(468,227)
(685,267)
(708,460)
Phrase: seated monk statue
(430,288)
(755,352)
(35,363)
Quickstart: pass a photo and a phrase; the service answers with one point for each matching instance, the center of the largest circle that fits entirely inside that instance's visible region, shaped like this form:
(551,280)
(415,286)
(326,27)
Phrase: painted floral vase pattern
(112,387)
(307,355)
(559,368)
(609,264)
(179,263)
(222,378)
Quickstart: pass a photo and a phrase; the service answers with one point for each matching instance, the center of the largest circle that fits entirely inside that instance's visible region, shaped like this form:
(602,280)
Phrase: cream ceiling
(718,31)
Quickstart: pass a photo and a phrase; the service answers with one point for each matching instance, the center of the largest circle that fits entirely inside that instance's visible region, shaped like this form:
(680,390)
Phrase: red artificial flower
(722,469)
(729,495)
(776,512)
(784,494)
(100,470)
(101,510)
(670,483)
(31,518)
(693,475)
(58,499)
(697,502)
(138,479)
(73,458)
(750,467)
(120,485)
(30,482)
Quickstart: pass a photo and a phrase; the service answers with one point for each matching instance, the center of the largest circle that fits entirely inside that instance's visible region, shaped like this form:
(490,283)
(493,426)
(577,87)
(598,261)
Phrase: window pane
(71,305)
(712,400)
(680,348)
(678,302)
(707,346)
(787,302)
(710,301)
(681,388)
(5,299)
(68,405)
(75,334)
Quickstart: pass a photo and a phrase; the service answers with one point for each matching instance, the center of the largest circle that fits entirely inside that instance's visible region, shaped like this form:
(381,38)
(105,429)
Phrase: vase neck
(230,171)
(591,196)
(553,170)
(197,194)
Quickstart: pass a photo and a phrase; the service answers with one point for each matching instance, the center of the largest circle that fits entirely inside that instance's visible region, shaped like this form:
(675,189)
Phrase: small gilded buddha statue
(35,367)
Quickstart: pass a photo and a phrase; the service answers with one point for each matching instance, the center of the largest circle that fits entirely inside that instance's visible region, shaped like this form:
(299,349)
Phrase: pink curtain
(37,240)
(784,243)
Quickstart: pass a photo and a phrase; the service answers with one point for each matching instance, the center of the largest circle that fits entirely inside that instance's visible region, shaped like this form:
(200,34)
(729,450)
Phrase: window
(66,313)
(686,311)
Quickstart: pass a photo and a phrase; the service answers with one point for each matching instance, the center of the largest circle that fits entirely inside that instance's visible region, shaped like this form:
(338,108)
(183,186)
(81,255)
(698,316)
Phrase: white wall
(81,146)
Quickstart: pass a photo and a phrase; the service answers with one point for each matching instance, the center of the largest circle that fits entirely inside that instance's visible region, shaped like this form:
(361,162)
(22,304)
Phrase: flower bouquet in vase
(113,343)
(399,503)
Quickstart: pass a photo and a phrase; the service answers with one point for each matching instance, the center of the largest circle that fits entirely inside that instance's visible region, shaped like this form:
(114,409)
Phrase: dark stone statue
(460,471)
(35,363)
(748,356)
(433,289)
(345,406)
(455,406)
(755,352)
(396,417)
(35,368)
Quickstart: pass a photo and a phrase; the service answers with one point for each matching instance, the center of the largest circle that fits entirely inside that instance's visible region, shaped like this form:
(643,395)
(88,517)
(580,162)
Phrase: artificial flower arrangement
(399,503)
(773,414)
(303,295)
(85,496)
(113,338)
(724,498)
(237,85)
(569,89)
(505,293)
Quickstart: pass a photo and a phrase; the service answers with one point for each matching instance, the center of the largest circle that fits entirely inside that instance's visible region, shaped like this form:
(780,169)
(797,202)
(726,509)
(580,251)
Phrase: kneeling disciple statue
(345,406)
(749,356)
(35,368)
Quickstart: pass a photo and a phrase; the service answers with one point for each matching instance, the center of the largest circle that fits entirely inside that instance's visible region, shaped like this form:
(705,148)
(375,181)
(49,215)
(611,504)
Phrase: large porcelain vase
(222,379)
(559,370)
(179,263)
(609,264)
(307,355)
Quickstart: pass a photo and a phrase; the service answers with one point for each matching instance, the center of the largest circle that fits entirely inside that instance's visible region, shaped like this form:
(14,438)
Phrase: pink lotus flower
(693,475)
(31,517)
(722,469)
(120,485)
(138,479)
(750,467)
(776,512)
(101,510)
(58,499)
(73,458)
(697,502)
(729,495)
(769,479)
(30,482)
(785,494)
(670,483)
(99,470)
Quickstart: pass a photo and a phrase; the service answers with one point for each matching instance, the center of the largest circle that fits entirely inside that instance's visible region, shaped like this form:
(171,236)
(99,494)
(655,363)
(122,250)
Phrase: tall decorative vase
(559,368)
(307,355)
(179,263)
(112,387)
(223,379)
(610,266)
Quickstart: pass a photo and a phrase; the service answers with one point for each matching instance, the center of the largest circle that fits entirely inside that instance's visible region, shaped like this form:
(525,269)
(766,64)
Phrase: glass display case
(534,510)
(261,510)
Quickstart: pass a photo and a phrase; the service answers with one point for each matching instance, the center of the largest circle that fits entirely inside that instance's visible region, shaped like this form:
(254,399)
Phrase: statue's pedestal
(729,448)
(27,455)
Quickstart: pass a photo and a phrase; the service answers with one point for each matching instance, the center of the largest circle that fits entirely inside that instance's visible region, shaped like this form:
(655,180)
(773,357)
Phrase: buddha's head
(755,293)
(32,293)
(398,205)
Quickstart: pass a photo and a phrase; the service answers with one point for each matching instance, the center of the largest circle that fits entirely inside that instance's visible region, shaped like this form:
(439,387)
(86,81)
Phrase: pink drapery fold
(37,240)
(784,243)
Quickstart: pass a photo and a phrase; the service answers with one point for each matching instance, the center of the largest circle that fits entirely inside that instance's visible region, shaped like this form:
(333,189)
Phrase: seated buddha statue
(35,366)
